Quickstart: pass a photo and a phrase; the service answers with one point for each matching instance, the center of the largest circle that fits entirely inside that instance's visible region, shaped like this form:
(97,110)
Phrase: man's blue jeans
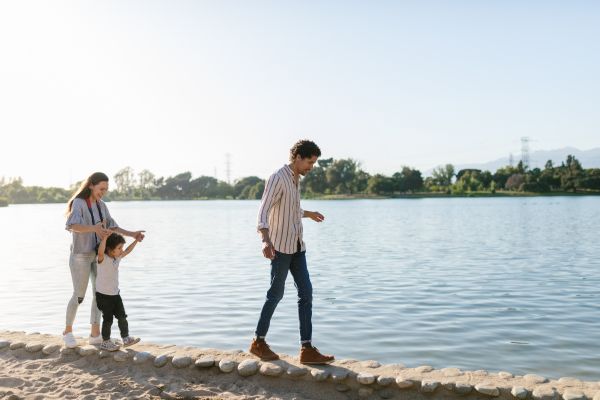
(280,265)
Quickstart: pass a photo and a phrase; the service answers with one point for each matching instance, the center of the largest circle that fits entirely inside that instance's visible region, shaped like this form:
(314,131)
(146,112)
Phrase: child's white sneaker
(94,340)
(109,345)
(69,340)
(130,340)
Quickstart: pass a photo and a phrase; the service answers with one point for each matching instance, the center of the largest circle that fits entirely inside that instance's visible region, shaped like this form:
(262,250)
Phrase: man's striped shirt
(280,211)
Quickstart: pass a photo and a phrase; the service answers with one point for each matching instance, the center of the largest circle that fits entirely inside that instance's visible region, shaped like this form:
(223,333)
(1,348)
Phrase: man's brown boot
(311,355)
(261,349)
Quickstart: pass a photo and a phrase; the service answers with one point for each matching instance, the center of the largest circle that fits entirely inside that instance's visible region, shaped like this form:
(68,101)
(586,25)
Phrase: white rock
(463,388)
(505,375)
(65,351)
(205,362)
(429,386)
(403,383)
(570,381)
(364,393)
(488,389)
(572,394)
(386,380)
(370,364)
(295,372)
(519,392)
(365,378)
(597,396)
(181,361)
(534,379)
(120,356)
(397,366)
(450,372)
(339,375)
(248,367)
(50,348)
(319,375)
(161,360)
(424,368)
(270,369)
(34,347)
(16,345)
(226,365)
(544,393)
(141,357)
(88,350)
(4,343)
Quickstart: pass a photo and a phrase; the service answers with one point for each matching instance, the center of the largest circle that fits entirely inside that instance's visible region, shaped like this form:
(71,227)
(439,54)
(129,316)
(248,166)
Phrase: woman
(89,221)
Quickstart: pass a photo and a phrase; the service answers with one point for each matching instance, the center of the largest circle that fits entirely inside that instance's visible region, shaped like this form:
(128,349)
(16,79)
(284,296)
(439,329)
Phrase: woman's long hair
(84,190)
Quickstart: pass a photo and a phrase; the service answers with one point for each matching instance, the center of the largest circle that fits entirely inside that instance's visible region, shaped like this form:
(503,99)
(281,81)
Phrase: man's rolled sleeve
(271,195)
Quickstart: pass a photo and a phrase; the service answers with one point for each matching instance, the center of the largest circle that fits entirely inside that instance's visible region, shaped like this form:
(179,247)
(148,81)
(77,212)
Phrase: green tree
(571,174)
(203,187)
(408,180)
(442,175)
(502,174)
(176,187)
(341,176)
(315,181)
(380,184)
(241,184)
(591,179)
(125,181)
(257,190)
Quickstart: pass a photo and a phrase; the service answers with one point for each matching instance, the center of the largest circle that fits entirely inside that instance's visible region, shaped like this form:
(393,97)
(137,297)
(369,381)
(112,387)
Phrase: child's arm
(129,248)
(102,248)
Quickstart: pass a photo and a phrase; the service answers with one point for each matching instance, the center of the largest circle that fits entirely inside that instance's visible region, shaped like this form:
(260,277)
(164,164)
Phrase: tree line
(330,177)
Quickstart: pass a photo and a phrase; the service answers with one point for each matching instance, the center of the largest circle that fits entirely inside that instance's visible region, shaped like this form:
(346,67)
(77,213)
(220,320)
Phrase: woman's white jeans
(83,268)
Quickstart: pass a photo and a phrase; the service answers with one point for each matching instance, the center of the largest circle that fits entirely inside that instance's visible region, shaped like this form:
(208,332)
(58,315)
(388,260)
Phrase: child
(110,253)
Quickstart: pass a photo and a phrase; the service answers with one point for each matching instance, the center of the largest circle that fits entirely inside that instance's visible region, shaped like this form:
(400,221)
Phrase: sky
(174,86)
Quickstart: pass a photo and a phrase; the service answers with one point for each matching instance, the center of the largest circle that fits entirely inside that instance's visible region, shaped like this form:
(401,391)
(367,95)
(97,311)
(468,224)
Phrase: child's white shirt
(107,279)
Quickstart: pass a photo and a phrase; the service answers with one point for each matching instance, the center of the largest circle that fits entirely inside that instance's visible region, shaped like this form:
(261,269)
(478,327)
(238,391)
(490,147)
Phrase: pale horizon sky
(173,86)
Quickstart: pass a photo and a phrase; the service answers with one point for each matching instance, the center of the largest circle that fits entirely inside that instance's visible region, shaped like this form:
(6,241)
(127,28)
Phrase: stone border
(364,378)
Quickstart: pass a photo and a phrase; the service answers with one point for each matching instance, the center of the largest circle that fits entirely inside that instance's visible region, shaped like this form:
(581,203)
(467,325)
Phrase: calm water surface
(497,284)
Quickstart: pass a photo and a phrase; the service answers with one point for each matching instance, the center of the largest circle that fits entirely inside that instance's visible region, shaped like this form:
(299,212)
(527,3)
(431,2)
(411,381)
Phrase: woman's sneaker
(109,345)
(69,340)
(130,340)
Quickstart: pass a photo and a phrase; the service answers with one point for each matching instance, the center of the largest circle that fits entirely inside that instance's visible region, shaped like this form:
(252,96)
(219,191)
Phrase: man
(280,227)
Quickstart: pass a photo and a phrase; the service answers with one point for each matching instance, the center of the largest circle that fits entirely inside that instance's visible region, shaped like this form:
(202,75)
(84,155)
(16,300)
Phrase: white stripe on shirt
(280,211)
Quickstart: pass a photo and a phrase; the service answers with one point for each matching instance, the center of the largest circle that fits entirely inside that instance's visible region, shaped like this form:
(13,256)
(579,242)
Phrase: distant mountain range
(587,158)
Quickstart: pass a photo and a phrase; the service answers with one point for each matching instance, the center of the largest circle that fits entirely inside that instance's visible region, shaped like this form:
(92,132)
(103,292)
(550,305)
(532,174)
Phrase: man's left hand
(315,216)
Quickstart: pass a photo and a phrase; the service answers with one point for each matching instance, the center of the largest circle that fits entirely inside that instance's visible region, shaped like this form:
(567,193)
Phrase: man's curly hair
(304,148)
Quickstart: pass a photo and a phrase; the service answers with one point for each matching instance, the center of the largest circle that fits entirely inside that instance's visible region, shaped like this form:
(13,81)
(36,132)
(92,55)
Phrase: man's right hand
(268,250)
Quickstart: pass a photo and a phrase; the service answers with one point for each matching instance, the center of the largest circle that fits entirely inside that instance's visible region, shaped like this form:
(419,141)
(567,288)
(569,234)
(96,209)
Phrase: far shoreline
(423,195)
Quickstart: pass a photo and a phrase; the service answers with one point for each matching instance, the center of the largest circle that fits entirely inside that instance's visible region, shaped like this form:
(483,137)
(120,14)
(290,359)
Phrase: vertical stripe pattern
(280,211)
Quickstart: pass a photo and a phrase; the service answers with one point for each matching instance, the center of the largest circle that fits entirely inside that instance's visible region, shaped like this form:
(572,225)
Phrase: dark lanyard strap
(92,214)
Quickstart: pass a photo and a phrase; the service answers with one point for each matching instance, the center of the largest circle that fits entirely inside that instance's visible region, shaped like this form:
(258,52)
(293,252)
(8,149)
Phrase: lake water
(482,283)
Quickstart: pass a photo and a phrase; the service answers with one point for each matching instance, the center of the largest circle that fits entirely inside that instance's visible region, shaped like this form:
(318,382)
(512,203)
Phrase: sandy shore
(37,366)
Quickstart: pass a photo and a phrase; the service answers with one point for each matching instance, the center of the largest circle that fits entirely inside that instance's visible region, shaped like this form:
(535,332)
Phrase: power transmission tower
(511,160)
(525,151)
(228,167)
